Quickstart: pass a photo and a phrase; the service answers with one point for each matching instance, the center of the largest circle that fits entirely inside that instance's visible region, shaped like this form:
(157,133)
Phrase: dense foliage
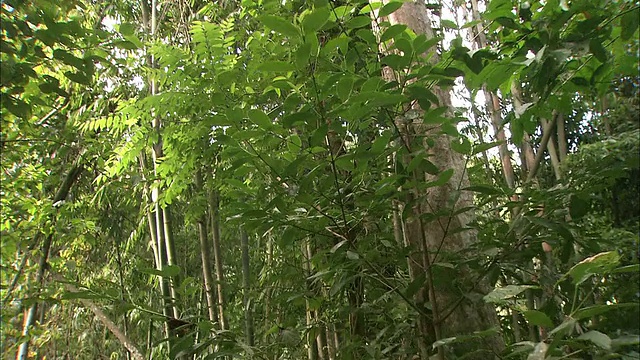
(244,179)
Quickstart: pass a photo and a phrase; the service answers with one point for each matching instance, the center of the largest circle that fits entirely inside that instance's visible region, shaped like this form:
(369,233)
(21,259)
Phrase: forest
(320,179)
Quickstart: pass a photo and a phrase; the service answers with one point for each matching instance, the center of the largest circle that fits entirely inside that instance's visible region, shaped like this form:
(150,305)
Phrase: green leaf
(352,255)
(370,7)
(506,292)
(594,310)
(625,340)
(596,48)
(358,22)
(135,41)
(415,285)
(303,54)
(601,263)
(380,144)
(429,167)
(559,228)
(345,162)
(259,118)
(444,177)
(280,25)
(396,62)
(537,318)
(78,77)
(421,44)
(51,85)
(167,271)
(344,87)
(314,21)
(578,207)
(485,146)
(473,63)
(276,66)
(629,24)
(415,162)
(598,338)
(127,45)
(461,145)
(126,29)
(405,46)
(389,8)
(635,268)
(385,99)
(294,144)
(565,328)
(448,24)
(471,23)
(392,31)
(68,58)
(170,271)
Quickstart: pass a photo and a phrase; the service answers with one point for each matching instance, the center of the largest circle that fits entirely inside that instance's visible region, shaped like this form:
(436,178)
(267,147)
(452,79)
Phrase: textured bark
(453,313)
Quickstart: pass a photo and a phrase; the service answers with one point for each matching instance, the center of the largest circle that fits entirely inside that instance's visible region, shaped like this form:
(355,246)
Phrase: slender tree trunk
(205,254)
(246,288)
(125,317)
(163,232)
(174,282)
(452,313)
(312,346)
(214,211)
(553,152)
(331,342)
(562,138)
(267,292)
(321,339)
(493,104)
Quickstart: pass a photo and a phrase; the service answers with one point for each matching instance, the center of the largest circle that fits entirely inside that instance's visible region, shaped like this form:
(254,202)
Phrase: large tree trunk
(452,311)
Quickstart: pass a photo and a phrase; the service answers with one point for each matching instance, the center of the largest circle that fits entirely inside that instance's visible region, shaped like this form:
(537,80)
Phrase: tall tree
(452,312)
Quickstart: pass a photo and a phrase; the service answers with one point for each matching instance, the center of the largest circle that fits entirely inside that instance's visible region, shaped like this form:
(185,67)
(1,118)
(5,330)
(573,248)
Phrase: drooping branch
(136,354)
